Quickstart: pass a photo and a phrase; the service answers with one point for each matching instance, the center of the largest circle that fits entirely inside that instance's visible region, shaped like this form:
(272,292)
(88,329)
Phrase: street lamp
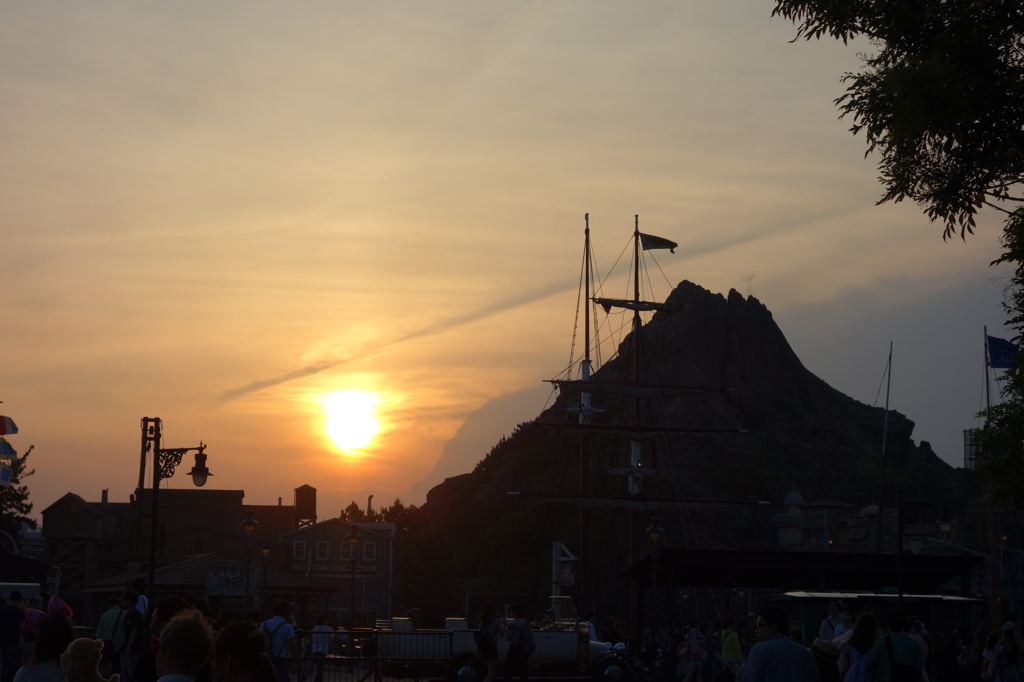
(919,511)
(265,548)
(654,533)
(945,524)
(249,526)
(354,538)
(165,460)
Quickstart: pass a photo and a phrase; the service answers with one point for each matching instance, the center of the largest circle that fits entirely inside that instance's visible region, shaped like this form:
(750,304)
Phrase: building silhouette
(202,549)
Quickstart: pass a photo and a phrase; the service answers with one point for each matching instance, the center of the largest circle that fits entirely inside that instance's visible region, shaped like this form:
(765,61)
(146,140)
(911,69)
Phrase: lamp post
(916,513)
(165,460)
(265,549)
(654,533)
(945,524)
(354,538)
(249,526)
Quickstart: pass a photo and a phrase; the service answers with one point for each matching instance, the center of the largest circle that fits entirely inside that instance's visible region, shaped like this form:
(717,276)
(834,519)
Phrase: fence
(372,655)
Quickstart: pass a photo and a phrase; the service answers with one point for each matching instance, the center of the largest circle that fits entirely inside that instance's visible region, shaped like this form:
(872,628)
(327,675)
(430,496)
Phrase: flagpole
(885,437)
(988,390)
(990,514)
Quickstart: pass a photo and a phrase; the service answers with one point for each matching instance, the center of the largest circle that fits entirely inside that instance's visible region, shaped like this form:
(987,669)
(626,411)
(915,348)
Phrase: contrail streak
(512,303)
(442,326)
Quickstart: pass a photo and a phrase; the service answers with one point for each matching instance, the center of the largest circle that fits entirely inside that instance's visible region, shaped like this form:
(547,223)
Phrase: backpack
(698,650)
(108,655)
(268,636)
(523,638)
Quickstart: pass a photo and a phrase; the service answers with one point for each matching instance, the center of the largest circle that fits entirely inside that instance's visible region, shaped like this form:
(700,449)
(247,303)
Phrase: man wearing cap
(775,657)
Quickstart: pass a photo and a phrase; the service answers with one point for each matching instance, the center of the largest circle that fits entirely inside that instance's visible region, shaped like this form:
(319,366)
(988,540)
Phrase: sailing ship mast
(637,469)
(633,388)
(885,439)
(585,418)
(635,477)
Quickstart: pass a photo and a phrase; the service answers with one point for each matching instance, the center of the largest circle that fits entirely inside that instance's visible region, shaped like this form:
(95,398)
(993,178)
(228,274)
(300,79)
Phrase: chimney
(103,495)
(279,502)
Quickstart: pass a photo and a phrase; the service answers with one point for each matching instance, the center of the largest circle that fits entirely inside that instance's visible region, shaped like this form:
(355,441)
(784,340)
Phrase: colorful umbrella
(7,426)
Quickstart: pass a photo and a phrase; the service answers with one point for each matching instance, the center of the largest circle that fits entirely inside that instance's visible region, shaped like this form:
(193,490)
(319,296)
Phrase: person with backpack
(732,655)
(111,630)
(896,657)
(776,657)
(280,639)
(521,645)
(136,638)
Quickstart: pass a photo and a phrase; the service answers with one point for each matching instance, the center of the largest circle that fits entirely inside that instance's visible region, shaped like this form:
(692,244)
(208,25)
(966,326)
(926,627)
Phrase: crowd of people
(873,651)
(847,649)
(172,640)
(175,640)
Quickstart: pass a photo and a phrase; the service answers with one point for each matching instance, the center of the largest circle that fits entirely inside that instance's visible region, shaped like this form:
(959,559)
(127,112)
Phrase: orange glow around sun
(351,418)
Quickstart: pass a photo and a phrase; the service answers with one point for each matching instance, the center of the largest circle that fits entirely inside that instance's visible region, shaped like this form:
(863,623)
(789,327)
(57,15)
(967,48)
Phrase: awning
(810,571)
(850,596)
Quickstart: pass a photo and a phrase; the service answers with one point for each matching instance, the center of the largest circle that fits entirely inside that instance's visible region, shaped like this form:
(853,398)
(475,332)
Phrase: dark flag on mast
(1001,352)
(649,241)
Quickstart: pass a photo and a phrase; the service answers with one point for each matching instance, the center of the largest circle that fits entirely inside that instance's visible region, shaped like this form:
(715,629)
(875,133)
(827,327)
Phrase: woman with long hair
(240,654)
(488,635)
(865,632)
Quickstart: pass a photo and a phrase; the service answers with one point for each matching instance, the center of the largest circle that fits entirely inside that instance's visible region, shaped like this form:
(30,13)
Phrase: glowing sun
(351,418)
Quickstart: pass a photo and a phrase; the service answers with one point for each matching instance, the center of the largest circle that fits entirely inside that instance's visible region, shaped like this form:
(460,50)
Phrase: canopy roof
(809,571)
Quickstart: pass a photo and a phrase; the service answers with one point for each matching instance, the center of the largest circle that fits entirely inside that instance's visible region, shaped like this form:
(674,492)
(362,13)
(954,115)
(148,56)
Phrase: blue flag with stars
(1001,352)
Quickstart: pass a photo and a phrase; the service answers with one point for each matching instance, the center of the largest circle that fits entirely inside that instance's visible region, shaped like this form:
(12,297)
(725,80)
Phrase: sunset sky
(219,213)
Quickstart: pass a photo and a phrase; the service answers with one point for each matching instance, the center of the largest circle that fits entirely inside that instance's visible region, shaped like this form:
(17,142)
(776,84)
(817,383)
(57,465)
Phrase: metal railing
(372,655)
(337,656)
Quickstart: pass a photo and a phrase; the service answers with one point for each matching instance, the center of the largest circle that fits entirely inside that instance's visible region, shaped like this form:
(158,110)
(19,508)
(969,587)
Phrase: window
(323,551)
(346,551)
(298,549)
(369,551)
